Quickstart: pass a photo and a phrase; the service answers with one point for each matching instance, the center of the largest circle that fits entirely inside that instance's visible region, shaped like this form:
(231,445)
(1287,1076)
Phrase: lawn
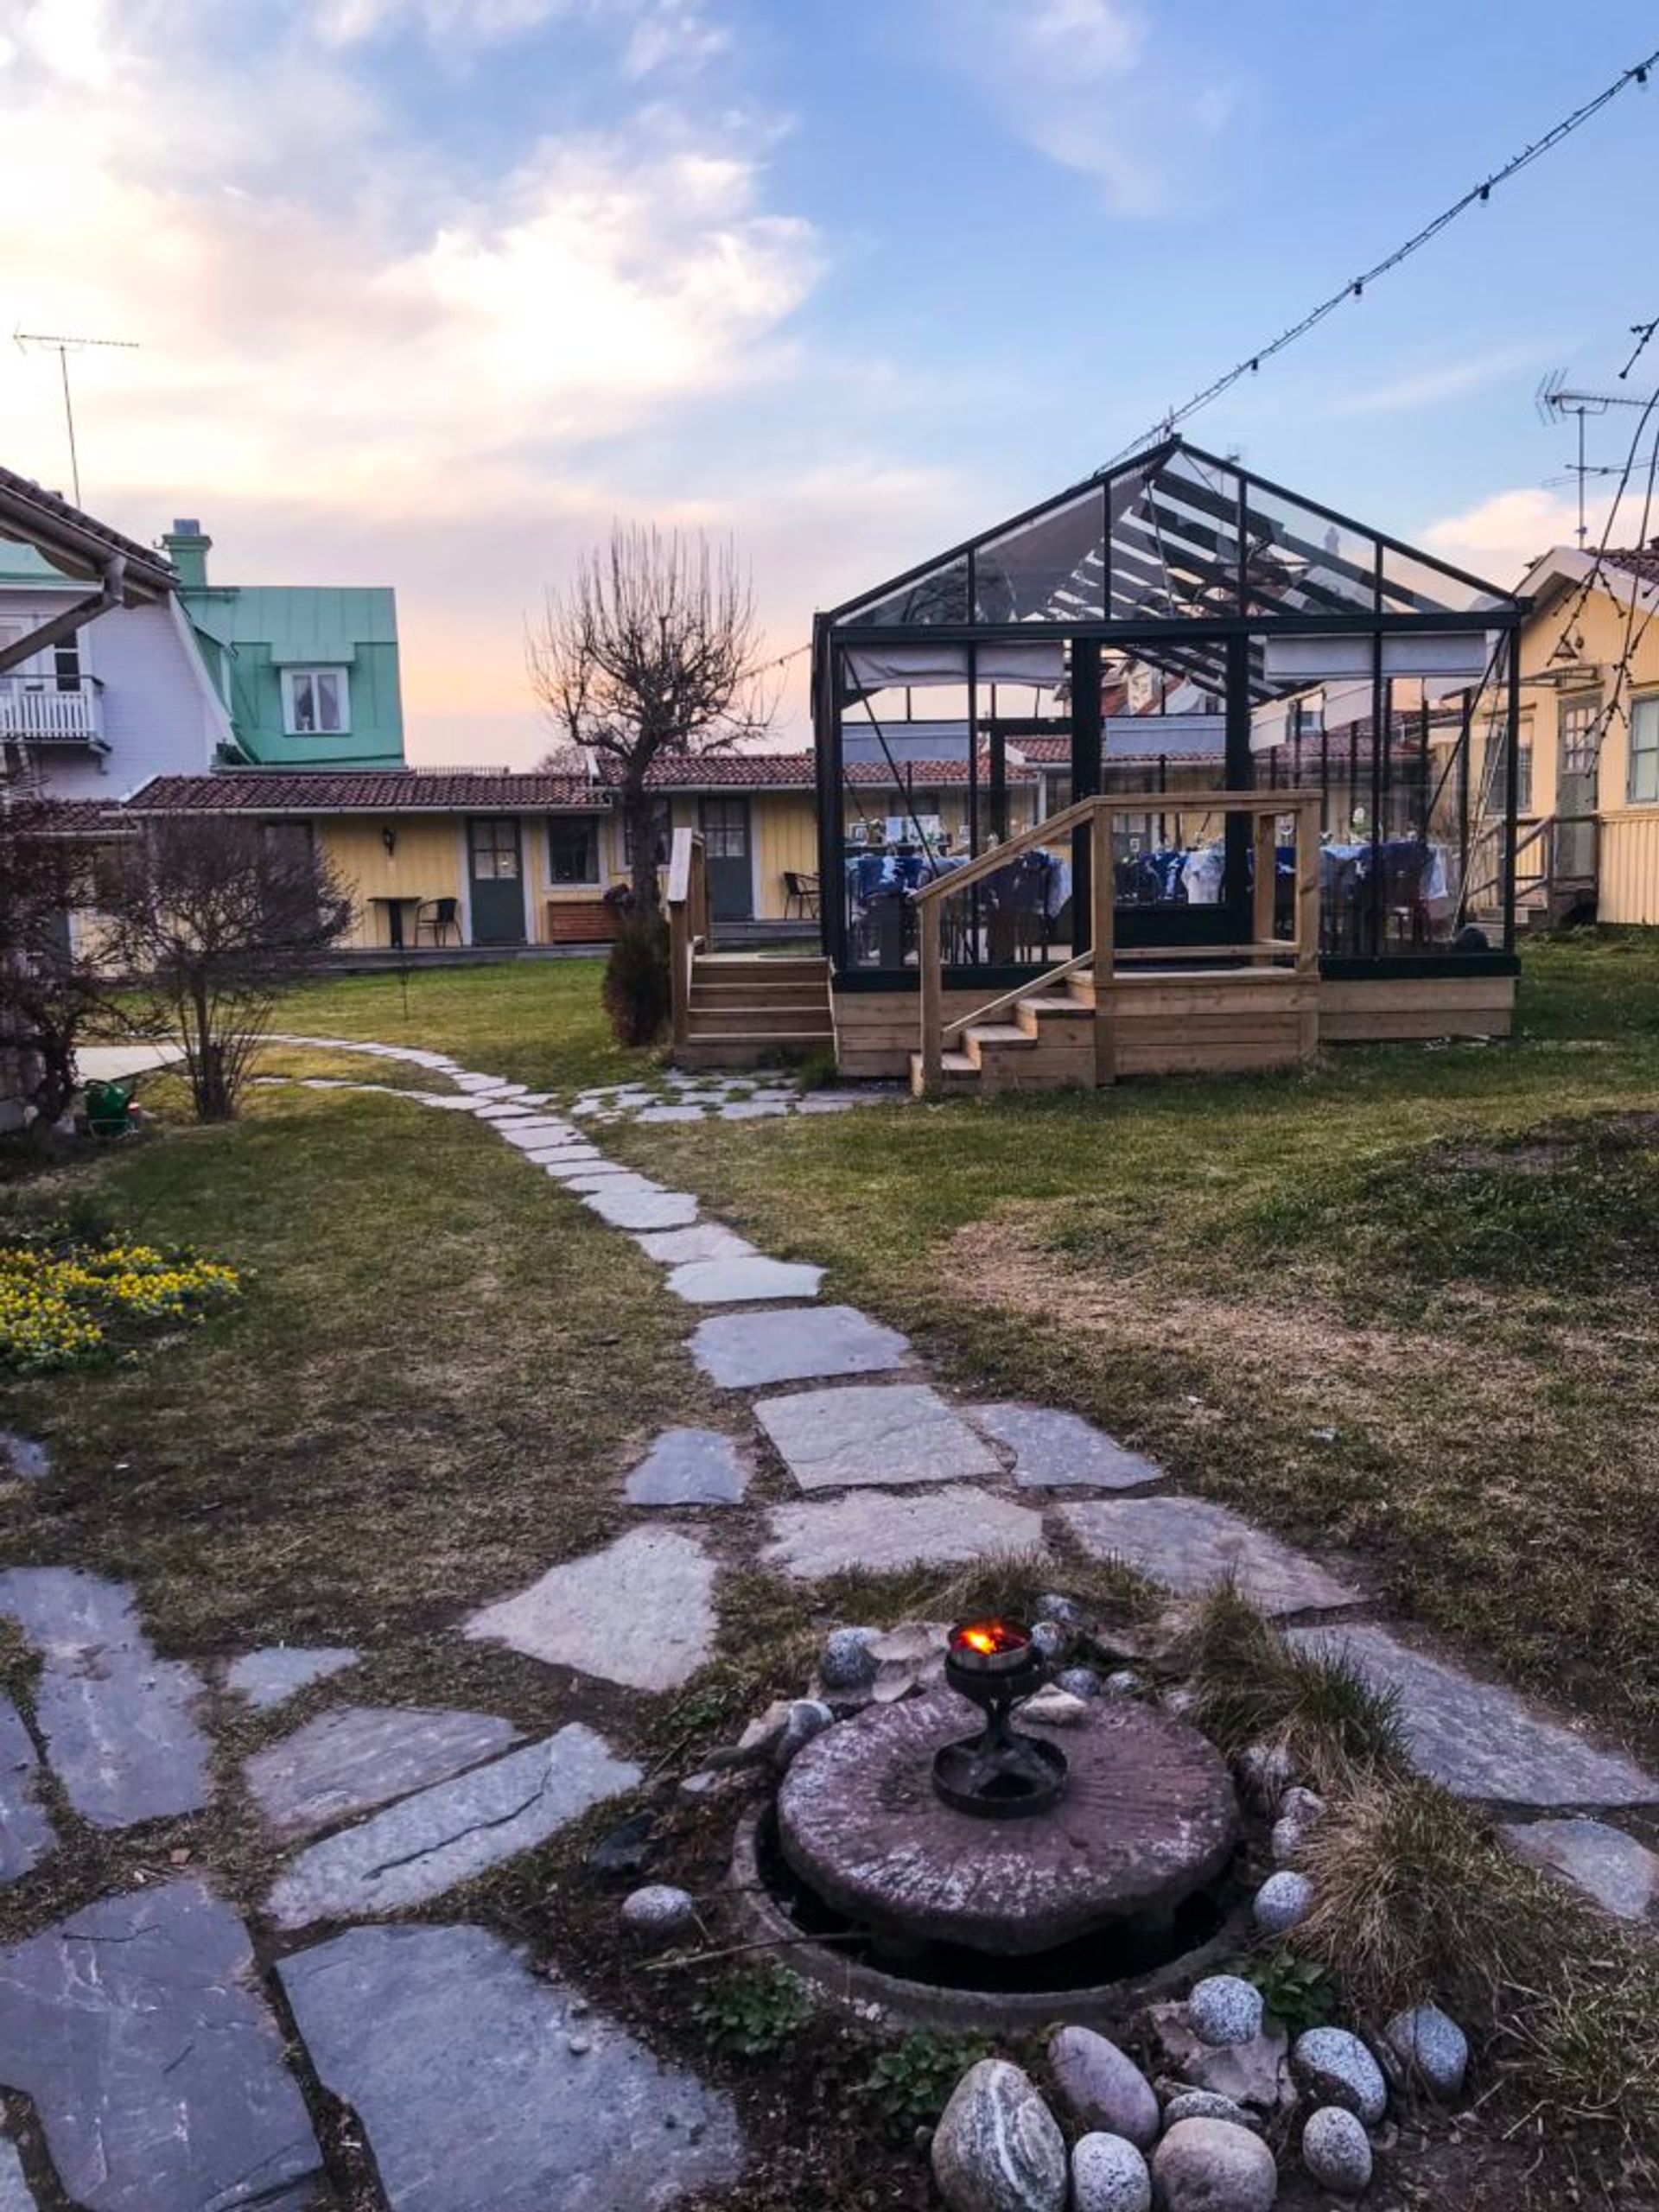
(1372,1306)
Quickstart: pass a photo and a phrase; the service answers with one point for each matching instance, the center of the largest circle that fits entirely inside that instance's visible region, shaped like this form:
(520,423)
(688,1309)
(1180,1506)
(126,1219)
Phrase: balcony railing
(34,710)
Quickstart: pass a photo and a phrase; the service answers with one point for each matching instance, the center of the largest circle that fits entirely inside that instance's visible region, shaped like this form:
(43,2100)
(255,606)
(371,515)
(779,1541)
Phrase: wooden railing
(690,930)
(32,707)
(1265,808)
(1541,856)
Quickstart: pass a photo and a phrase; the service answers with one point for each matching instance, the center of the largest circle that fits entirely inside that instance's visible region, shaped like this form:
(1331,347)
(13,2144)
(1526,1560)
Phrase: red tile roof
(798,772)
(325,790)
(1641,561)
(72,817)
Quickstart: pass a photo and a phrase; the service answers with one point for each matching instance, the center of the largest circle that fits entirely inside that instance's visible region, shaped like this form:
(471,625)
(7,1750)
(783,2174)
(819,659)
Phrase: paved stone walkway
(138,2027)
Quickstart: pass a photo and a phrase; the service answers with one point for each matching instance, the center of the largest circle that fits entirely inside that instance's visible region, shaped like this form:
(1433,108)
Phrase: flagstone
(1620,1874)
(354,1756)
(24,1455)
(877,1530)
(1051,1449)
(743,1351)
(888,1434)
(16,2195)
(687,1113)
(642,1205)
(1190,1545)
(426,1844)
(483,2085)
(119,1723)
(704,1239)
(277,1671)
(137,2030)
(640,1612)
(731,1282)
(1478,1739)
(688,1466)
(26,1832)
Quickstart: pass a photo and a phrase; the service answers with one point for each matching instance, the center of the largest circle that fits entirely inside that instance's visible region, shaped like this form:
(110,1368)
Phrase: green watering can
(109,1109)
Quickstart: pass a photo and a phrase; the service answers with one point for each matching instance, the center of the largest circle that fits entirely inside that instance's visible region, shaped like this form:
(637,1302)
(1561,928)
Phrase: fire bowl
(999,1774)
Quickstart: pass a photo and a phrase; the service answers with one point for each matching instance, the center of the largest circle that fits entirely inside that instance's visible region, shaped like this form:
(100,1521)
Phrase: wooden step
(759,1021)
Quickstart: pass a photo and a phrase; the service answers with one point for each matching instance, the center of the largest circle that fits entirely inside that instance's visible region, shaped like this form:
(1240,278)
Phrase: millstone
(1148,1815)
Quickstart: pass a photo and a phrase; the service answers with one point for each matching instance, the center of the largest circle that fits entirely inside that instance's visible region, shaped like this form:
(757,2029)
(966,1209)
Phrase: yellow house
(1587,789)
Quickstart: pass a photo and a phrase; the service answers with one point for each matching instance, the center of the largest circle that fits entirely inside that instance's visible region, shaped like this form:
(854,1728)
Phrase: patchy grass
(299,1060)
(534,1021)
(1404,1304)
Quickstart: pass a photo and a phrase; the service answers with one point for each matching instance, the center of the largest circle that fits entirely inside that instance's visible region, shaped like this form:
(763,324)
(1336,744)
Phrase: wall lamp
(389,839)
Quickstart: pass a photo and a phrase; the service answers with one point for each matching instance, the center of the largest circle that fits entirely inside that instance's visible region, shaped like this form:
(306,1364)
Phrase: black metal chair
(440,916)
(800,892)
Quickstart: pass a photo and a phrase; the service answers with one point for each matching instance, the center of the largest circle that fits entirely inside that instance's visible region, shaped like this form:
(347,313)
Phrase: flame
(990,1637)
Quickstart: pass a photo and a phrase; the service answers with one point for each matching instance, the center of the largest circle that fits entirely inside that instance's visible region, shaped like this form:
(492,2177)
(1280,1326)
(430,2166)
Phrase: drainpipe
(112,573)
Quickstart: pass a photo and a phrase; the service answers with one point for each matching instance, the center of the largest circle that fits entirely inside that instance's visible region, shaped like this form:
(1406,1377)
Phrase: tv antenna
(63,348)
(1553,400)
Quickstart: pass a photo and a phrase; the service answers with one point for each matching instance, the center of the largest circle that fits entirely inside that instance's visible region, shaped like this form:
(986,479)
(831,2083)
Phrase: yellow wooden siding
(1629,888)
(785,833)
(426,863)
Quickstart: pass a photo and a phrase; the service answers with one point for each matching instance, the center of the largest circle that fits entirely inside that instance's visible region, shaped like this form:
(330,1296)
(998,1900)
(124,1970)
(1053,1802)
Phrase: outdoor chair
(440,916)
(801,893)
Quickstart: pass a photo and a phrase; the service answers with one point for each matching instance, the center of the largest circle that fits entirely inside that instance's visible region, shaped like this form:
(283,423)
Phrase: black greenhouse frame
(1198,568)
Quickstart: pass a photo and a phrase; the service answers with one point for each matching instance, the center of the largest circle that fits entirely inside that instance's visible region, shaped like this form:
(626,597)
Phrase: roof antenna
(63,348)
(1553,400)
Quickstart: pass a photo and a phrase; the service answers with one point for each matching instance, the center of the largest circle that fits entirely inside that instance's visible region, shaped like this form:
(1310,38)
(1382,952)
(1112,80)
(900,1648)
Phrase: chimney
(187,549)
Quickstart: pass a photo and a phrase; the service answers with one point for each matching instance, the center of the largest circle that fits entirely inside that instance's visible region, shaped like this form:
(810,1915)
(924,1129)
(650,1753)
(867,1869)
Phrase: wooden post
(928,920)
(1103,897)
(1308,886)
(1265,871)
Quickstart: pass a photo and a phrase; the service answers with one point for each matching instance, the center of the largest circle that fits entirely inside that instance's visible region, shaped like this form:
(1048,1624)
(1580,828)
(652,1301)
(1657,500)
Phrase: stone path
(138,2027)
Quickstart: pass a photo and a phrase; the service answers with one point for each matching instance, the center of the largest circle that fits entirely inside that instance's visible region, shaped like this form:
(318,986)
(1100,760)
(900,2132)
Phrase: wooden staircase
(1197,1021)
(746,1007)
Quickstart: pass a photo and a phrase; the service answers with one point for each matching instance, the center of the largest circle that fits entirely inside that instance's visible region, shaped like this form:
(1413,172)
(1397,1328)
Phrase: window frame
(594,824)
(309,672)
(1645,717)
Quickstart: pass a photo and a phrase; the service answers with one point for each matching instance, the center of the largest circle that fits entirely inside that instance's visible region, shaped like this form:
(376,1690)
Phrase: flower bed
(66,1301)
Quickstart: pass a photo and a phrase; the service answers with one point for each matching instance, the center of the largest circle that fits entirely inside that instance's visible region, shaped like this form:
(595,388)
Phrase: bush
(753,2013)
(638,997)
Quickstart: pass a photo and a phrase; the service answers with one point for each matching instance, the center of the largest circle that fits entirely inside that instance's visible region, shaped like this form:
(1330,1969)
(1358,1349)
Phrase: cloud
(1500,537)
(1077,79)
(1429,386)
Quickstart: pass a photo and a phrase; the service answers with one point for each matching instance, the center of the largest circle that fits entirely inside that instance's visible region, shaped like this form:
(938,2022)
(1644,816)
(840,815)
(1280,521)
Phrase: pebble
(1124,1683)
(1050,1641)
(1299,1811)
(1079,1681)
(1336,2067)
(1223,2009)
(997,2147)
(578,2046)
(1053,1707)
(1210,2165)
(1431,2046)
(807,1717)
(1209,2104)
(1053,1606)
(847,1661)
(1181,1703)
(1335,2152)
(1283,1902)
(1101,2088)
(1108,2175)
(1264,1774)
(659,1913)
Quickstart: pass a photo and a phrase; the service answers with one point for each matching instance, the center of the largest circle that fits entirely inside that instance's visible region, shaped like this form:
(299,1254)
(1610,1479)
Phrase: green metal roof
(300,623)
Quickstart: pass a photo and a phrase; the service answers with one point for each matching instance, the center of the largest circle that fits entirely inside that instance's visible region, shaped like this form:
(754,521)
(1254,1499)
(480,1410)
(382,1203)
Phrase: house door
(1577,775)
(725,849)
(497,880)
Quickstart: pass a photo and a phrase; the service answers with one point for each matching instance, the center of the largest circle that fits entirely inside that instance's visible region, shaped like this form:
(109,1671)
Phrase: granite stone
(356,1757)
(1619,1873)
(997,2147)
(119,1723)
(875,1530)
(270,1676)
(1336,2151)
(688,1466)
(888,1434)
(1101,2088)
(705,1240)
(426,1844)
(1188,1544)
(1334,2065)
(25,1833)
(1210,2165)
(1052,1450)
(737,1281)
(743,1351)
(1108,2175)
(640,1612)
(136,2029)
(457,2058)
(1478,1740)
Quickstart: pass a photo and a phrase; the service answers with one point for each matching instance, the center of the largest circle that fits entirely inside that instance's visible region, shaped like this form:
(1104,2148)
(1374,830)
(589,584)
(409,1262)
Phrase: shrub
(638,997)
(753,2013)
(911,2084)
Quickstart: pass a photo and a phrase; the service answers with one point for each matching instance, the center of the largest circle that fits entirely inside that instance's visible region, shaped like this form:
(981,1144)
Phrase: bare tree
(211,921)
(49,988)
(652,648)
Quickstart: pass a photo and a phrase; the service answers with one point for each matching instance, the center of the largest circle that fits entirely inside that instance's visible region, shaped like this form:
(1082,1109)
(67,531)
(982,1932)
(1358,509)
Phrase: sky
(427,292)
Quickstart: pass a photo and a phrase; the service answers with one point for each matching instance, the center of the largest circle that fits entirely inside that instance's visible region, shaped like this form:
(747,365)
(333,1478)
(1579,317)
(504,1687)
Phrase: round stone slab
(1148,1816)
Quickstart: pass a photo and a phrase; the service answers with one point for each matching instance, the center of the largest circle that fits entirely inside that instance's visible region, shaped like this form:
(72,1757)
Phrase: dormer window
(316,702)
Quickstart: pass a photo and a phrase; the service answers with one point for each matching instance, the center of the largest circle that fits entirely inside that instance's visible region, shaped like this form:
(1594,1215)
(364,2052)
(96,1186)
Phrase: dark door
(725,849)
(498,886)
(1577,774)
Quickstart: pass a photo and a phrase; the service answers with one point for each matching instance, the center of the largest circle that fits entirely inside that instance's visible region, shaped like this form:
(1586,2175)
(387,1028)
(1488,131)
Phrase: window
(495,849)
(573,848)
(66,664)
(1580,735)
(725,829)
(316,702)
(1644,751)
(1523,776)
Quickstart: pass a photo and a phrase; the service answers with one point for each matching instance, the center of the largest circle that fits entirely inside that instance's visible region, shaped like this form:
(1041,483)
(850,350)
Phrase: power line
(1643,332)
(1354,288)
